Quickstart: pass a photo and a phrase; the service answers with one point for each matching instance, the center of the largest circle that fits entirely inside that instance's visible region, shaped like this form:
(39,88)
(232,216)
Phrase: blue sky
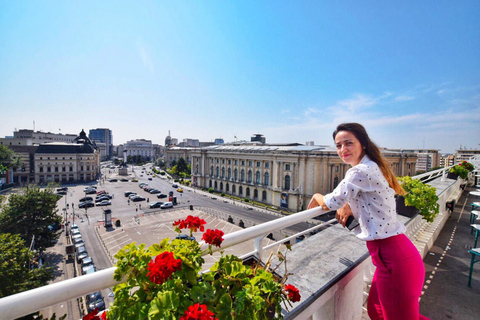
(291,70)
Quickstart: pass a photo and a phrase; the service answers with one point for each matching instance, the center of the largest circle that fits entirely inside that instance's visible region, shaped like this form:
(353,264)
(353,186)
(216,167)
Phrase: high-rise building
(103,136)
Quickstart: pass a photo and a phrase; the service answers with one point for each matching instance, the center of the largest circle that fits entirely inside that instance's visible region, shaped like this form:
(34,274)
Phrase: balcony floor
(446,294)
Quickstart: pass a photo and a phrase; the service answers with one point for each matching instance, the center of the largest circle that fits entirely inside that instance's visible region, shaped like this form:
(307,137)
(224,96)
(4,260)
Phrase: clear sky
(290,70)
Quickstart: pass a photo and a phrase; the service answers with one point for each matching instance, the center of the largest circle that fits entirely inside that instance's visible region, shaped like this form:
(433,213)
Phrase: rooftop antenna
(33,125)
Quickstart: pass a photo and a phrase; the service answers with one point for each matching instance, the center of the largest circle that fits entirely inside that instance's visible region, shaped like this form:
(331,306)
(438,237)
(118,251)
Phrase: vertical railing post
(257,244)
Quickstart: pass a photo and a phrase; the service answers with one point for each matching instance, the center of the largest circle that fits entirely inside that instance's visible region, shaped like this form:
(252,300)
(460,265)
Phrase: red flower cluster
(293,293)
(94,316)
(198,312)
(192,223)
(163,267)
(213,237)
(467,165)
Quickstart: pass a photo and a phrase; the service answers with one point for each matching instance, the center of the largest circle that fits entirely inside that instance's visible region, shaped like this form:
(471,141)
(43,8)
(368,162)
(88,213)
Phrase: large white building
(139,147)
(27,137)
(284,176)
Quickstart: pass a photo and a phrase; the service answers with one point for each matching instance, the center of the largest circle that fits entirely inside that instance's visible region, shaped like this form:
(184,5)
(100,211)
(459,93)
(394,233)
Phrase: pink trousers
(398,279)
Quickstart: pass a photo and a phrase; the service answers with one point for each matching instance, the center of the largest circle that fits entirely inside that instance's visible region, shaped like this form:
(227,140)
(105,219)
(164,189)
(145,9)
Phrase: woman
(367,192)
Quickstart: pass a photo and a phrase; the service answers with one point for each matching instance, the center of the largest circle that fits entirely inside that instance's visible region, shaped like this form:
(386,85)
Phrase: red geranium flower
(192,223)
(94,315)
(163,267)
(293,294)
(213,237)
(198,312)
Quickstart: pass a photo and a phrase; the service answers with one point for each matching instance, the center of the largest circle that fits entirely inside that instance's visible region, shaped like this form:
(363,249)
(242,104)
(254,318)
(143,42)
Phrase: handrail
(27,302)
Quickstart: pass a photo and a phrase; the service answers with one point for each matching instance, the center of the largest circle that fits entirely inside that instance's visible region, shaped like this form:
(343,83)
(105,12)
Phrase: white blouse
(371,199)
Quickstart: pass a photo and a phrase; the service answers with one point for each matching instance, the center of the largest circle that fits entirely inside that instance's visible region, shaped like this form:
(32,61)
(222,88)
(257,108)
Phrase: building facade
(426,158)
(26,137)
(139,147)
(465,155)
(282,176)
(67,162)
(103,135)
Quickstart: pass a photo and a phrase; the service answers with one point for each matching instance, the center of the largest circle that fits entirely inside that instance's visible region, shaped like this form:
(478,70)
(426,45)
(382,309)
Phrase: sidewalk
(447,265)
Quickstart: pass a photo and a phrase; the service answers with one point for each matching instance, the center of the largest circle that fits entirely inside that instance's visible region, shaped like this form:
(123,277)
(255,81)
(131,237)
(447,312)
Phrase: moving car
(155,204)
(174,185)
(143,184)
(62,189)
(104,203)
(166,205)
(113,180)
(180,190)
(150,178)
(95,301)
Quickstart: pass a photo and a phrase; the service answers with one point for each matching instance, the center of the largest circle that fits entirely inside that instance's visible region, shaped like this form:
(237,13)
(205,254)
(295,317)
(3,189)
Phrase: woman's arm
(343,213)
(317,200)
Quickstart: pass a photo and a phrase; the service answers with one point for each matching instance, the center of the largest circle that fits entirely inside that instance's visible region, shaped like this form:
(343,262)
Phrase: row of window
(56,169)
(266,179)
(219,186)
(63,158)
(266,176)
(258,164)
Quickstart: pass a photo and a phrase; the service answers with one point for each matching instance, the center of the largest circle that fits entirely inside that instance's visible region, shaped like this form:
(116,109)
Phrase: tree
(181,165)
(29,215)
(8,159)
(16,272)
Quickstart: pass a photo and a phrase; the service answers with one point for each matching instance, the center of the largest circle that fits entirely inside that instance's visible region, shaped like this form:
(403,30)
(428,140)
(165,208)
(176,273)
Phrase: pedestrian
(136,209)
(367,192)
(128,201)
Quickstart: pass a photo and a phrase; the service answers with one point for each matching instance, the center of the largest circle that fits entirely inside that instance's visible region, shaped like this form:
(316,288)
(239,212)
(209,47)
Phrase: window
(223,161)
(335,182)
(266,179)
(336,168)
(211,171)
(56,169)
(248,192)
(235,174)
(250,176)
(227,188)
(229,173)
(258,164)
(242,175)
(249,163)
(196,169)
(234,189)
(40,169)
(267,165)
(264,196)
(257,177)
(255,194)
(240,190)
(71,168)
(229,161)
(236,162)
(49,169)
(217,171)
(64,169)
(223,173)
(287,167)
(243,162)
(287,182)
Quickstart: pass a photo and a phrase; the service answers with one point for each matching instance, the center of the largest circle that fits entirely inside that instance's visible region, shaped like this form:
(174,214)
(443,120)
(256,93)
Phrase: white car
(104,203)
(166,205)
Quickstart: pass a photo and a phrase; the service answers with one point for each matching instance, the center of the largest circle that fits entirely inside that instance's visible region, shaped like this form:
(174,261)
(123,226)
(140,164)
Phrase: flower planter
(404,210)
(452,176)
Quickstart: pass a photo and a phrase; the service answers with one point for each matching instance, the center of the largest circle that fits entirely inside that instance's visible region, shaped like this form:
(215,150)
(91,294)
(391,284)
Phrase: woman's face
(349,148)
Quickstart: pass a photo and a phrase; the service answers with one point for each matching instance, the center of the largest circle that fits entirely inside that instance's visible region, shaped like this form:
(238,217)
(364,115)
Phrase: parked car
(74,231)
(73,226)
(89,187)
(150,178)
(95,301)
(104,203)
(54,227)
(170,193)
(81,256)
(138,198)
(161,196)
(76,236)
(102,197)
(61,193)
(124,180)
(175,185)
(86,204)
(86,262)
(154,191)
(113,180)
(184,237)
(62,189)
(166,205)
(143,184)
(132,195)
(155,204)
(88,270)
(86,199)
(91,191)
(127,193)
(101,192)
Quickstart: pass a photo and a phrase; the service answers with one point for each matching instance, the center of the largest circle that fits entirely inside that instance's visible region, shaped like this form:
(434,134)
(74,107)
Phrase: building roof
(58,147)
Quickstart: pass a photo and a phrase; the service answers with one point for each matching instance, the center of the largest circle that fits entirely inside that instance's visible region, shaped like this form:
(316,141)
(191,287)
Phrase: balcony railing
(324,289)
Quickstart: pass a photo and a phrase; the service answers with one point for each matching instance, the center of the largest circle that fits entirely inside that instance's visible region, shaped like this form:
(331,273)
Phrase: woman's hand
(343,213)
(317,200)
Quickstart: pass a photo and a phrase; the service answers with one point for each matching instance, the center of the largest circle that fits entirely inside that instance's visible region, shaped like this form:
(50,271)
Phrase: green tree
(182,165)
(29,215)
(17,269)
(8,159)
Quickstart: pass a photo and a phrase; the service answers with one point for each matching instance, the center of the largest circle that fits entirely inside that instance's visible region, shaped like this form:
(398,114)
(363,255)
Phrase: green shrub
(246,200)
(460,171)
(223,194)
(422,196)
(210,190)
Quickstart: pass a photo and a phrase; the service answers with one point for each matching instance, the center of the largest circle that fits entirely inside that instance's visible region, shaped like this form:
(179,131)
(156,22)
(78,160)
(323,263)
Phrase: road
(89,219)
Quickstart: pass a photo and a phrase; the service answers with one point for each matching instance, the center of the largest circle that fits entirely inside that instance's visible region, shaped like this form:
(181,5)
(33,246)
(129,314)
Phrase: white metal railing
(27,302)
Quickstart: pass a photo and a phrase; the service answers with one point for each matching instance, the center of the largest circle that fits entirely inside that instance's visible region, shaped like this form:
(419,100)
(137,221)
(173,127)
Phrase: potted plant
(458,171)
(419,195)
(163,281)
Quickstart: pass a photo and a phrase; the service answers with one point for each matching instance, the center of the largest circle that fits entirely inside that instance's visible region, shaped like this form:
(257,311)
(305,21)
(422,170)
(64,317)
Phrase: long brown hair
(372,151)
